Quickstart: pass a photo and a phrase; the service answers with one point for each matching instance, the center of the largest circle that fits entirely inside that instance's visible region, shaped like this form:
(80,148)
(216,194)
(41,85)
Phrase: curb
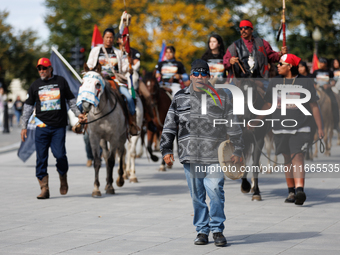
(10,148)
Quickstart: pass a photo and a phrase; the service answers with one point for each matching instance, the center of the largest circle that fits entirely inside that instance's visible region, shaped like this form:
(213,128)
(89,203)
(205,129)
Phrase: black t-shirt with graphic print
(215,62)
(135,54)
(49,98)
(169,68)
(323,77)
(292,111)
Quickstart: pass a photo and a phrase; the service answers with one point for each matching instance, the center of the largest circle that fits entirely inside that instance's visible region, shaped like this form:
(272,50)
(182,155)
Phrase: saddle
(130,119)
(115,88)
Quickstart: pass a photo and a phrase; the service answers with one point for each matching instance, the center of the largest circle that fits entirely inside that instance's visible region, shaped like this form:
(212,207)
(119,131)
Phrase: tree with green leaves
(302,16)
(18,53)
(68,20)
(184,24)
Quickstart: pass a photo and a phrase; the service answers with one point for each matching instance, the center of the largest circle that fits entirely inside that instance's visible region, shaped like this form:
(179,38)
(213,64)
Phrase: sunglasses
(281,64)
(202,73)
(42,68)
(245,28)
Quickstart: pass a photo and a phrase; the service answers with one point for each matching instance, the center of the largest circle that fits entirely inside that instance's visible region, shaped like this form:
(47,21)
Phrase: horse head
(91,89)
(151,83)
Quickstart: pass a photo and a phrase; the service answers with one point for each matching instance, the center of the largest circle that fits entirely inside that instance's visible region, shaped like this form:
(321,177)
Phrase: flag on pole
(27,148)
(96,37)
(315,65)
(60,69)
(162,54)
(126,40)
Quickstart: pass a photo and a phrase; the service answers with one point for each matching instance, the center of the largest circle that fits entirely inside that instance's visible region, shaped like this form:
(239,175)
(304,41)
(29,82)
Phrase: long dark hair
(172,49)
(304,64)
(221,51)
(294,70)
(332,67)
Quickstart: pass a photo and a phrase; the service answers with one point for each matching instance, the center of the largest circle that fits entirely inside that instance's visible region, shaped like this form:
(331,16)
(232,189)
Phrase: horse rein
(322,150)
(114,107)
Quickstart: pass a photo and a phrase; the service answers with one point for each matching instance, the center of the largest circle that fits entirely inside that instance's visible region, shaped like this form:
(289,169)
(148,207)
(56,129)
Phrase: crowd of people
(198,139)
(248,57)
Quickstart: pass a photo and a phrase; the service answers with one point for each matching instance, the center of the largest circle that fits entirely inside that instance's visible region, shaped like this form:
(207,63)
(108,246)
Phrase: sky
(24,14)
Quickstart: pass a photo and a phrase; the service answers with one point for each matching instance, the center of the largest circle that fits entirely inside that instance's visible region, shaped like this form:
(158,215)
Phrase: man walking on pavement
(291,140)
(252,53)
(48,95)
(198,142)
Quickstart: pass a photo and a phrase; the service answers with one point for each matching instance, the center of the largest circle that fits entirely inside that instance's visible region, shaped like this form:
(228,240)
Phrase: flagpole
(67,64)
(284,22)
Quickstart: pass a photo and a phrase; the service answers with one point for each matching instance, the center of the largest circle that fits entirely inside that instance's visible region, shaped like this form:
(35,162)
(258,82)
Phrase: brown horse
(162,103)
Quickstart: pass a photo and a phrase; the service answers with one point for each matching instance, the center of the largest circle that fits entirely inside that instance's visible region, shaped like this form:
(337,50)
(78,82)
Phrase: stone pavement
(155,215)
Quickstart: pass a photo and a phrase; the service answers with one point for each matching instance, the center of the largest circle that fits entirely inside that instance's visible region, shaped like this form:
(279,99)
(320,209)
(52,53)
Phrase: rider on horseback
(112,65)
(171,72)
(139,86)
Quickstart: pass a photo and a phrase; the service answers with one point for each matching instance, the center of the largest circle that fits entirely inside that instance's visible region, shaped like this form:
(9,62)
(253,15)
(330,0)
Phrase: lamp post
(316,37)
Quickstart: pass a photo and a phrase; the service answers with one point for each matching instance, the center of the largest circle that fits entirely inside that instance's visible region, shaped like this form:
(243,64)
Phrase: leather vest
(259,55)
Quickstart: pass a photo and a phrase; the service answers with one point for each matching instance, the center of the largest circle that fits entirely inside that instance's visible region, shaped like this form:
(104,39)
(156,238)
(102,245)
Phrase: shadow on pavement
(270,237)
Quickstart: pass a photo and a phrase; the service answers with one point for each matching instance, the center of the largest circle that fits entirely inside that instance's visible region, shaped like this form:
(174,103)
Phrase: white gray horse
(107,125)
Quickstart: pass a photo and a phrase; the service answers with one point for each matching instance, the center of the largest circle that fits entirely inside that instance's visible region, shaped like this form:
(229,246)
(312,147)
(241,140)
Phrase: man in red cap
(252,53)
(292,130)
(48,95)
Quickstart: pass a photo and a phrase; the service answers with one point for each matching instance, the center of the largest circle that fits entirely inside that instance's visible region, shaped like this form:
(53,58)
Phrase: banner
(28,147)
(96,37)
(315,65)
(60,69)
(162,54)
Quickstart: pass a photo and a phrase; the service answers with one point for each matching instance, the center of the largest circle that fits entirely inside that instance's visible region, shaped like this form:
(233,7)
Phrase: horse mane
(258,101)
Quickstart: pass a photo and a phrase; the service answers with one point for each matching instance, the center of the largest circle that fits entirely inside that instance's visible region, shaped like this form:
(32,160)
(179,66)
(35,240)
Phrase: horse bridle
(106,114)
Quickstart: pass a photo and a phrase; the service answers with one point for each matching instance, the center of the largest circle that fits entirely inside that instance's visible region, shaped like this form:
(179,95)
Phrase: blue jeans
(17,115)
(199,186)
(53,137)
(131,104)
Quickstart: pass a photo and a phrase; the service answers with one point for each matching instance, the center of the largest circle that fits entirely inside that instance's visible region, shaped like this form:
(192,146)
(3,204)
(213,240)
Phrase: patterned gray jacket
(198,139)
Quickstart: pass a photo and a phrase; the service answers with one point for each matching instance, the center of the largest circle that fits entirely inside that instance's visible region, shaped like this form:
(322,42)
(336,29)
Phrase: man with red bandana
(252,53)
(292,130)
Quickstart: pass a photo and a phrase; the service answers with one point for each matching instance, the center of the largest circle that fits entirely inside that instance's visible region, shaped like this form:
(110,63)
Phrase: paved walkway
(155,215)
(10,141)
